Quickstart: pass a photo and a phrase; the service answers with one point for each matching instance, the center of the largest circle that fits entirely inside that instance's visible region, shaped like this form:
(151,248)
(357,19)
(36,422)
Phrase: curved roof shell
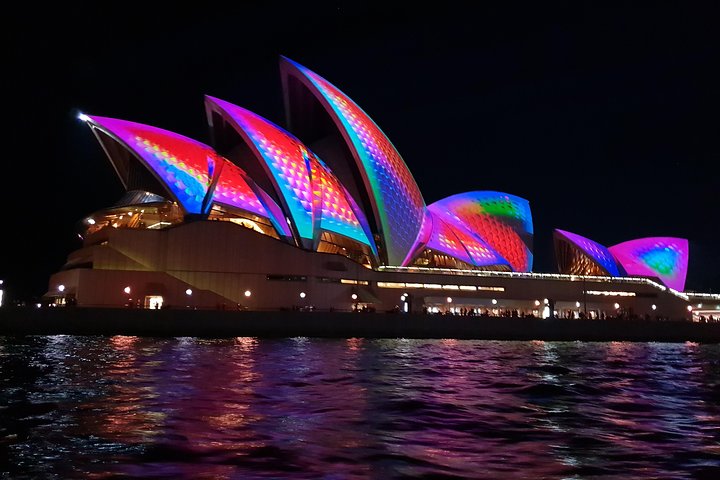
(396,201)
(663,257)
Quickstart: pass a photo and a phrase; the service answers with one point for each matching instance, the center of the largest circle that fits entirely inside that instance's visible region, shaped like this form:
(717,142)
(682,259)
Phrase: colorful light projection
(339,213)
(179,162)
(313,195)
(396,198)
(501,220)
(422,239)
(454,240)
(598,253)
(663,257)
(236,189)
(186,168)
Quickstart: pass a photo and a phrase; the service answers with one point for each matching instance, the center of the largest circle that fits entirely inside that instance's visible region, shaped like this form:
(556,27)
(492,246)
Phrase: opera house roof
(337,184)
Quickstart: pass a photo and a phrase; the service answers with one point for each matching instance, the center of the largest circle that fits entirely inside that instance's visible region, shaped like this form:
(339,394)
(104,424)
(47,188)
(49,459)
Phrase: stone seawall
(213,323)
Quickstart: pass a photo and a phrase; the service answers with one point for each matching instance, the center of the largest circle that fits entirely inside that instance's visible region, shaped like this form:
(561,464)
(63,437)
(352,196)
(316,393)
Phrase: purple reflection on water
(92,407)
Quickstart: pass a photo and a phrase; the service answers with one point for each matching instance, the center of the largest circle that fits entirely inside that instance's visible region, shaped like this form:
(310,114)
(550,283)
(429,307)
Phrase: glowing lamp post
(189,293)
(127,291)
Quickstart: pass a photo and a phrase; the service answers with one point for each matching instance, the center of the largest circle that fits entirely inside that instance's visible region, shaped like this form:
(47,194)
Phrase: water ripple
(128,407)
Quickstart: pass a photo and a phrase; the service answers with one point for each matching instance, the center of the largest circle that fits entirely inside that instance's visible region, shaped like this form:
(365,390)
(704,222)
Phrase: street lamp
(129,300)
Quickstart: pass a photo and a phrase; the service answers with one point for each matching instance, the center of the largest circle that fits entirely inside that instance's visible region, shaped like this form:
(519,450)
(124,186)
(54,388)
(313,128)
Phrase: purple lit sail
(598,253)
(663,257)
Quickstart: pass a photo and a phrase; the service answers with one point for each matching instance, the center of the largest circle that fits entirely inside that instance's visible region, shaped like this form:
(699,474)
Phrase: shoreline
(283,324)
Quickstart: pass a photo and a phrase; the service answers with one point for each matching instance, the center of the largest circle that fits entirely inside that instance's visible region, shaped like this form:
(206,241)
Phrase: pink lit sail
(180,163)
(455,241)
(313,196)
(395,196)
(185,166)
(663,257)
(501,220)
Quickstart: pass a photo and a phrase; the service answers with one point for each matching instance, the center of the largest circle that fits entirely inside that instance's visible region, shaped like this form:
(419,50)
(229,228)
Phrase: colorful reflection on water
(129,407)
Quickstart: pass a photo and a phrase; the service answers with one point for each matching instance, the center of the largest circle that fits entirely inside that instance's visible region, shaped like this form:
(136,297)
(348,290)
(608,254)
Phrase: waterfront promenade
(269,324)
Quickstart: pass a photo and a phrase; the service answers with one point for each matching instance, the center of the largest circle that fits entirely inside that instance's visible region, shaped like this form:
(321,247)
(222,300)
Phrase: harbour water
(130,407)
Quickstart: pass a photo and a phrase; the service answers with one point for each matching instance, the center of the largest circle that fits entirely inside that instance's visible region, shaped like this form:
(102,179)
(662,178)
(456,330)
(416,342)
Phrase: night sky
(605,118)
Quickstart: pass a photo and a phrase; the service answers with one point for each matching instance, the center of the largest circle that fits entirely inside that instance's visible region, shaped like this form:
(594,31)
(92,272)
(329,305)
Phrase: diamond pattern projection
(501,220)
(185,166)
(390,185)
(662,257)
(181,163)
(454,240)
(314,197)
(596,252)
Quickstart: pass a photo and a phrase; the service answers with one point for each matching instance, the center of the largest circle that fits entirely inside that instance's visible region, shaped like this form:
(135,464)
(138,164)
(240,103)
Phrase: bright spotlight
(354,296)
(248,293)
(617,305)
(449,300)
(126,290)
(494,302)
(654,307)
(302,294)
(82,117)
(61,288)
(188,292)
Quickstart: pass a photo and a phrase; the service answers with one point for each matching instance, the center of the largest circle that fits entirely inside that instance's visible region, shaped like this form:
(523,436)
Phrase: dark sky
(604,117)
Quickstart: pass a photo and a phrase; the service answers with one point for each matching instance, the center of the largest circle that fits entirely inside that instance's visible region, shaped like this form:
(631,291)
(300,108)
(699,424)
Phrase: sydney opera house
(330,217)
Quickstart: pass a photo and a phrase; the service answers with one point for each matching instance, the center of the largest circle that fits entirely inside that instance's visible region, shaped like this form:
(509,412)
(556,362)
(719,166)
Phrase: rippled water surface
(127,407)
